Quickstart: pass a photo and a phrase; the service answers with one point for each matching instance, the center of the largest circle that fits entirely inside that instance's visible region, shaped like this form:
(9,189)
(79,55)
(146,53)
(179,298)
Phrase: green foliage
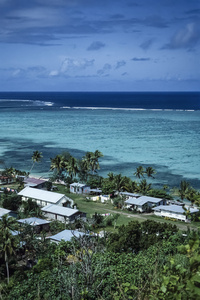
(11,201)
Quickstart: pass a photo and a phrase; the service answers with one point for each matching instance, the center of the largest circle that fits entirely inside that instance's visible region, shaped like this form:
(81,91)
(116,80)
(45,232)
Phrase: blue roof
(174,208)
(33,221)
(143,200)
(66,235)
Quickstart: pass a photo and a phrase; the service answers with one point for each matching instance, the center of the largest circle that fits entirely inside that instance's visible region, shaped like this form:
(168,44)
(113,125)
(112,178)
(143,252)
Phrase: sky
(92,45)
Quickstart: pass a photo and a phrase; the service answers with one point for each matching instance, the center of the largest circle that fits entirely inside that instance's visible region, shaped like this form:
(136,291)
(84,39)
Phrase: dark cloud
(146,44)
(186,38)
(96,46)
(140,59)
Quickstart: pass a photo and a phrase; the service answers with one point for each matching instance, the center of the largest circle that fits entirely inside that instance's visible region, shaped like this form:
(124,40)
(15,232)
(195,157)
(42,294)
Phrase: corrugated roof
(32,180)
(174,208)
(4,211)
(59,210)
(143,200)
(41,195)
(33,221)
(77,184)
(66,235)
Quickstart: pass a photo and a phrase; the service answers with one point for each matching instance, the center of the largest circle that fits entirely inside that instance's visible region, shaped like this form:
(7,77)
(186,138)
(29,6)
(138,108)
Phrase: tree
(59,164)
(91,161)
(36,157)
(139,172)
(184,189)
(11,201)
(72,167)
(144,187)
(7,240)
(150,172)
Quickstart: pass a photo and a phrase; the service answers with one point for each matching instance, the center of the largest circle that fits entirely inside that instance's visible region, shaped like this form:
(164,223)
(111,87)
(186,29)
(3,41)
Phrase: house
(128,195)
(44,198)
(63,214)
(38,224)
(34,182)
(4,211)
(6,179)
(143,203)
(66,235)
(79,188)
(174,211)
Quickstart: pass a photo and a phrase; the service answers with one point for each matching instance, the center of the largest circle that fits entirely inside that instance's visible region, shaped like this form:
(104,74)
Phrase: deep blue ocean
(130,129)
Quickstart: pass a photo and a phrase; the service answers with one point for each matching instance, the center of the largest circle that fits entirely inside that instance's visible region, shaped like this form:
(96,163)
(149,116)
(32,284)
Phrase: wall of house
(170,215)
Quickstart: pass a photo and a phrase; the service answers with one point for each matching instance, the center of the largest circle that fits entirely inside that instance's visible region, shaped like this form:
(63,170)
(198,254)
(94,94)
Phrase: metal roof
(59,210)
(77,184)
(66,235)
(174,208)
(32,180)
(42,195)
(143,200)
(33,221)
(4,211)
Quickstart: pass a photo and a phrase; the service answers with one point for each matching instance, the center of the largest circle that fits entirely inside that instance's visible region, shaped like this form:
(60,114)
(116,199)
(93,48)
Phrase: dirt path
(145,217)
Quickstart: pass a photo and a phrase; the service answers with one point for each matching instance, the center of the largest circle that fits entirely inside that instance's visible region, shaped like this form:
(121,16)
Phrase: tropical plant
(7,240)
(150,172)
(184,189)
(36,157)
(139,172)
(59,164)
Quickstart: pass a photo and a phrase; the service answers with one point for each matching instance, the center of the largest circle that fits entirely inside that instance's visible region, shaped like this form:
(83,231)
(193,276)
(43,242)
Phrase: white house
(66,235)
(142,203)
(63,214)
(43,197)
(79,188)
(37,223)
(173,211)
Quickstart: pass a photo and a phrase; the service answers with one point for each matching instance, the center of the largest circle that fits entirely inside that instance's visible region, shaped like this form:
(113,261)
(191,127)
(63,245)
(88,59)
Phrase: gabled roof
(59,210)
(41,195)
(33,181)
(143,200)
(4,211)
(174,208)
(66,235)
(77,184)
(33,221)
(130,194)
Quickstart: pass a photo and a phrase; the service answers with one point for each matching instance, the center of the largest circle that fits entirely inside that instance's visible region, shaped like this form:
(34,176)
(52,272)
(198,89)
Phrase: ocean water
(131,129)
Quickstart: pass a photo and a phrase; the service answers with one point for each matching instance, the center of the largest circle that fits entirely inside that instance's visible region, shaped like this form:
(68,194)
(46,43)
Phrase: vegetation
(136,257)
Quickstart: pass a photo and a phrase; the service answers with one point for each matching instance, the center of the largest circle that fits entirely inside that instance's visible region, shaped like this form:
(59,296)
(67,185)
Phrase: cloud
(147,44)
(105,70)
(70,67)
(96,46)
(186,38)
(120,64)
(140,59)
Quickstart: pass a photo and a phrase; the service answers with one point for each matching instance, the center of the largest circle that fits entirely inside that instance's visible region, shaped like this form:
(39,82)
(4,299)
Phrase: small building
(34,182)
(44,198)
(79,188)
(143,203)
(4,211)
(66,235)
(38,224)
(63,214)
(174,212)
(128,195)
(6,179)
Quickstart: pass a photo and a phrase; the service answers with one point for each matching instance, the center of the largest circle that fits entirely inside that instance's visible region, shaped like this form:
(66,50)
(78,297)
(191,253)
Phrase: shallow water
(167,140)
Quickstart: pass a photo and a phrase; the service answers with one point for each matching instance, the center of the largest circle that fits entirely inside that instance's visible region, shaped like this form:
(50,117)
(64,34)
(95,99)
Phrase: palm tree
(139,172)
(72,167)
(150,171)
(7,240)
(36,157)
(144,187)
(184,189)
(58,163)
